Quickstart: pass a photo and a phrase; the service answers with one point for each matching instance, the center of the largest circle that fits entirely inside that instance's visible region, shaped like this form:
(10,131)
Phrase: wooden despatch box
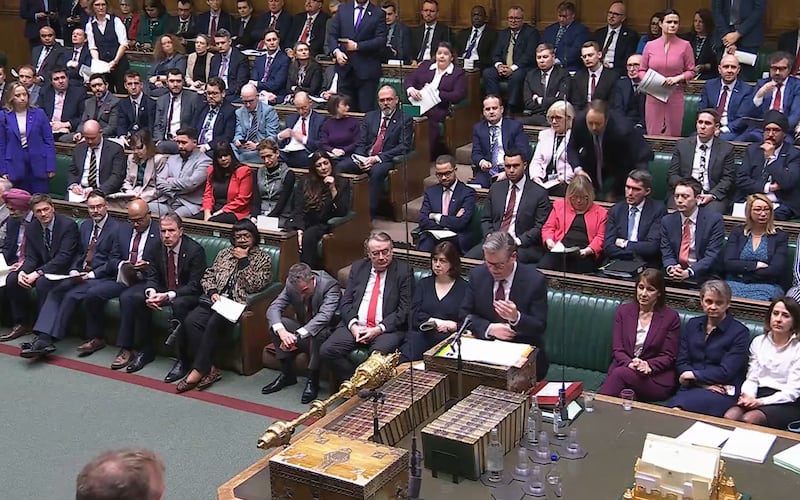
(395,415)
(457,441)
(510,378)
(327,466)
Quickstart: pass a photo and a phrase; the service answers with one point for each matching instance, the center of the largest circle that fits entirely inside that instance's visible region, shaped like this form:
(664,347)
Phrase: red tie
(272,23)
(134,256)
(446,201)
(594,85)
(172,273)
(776,101)
(213,30)
(87,265)
(500,293)
(723,101)
(372,309)
(306,29)
(378,146)
(303,125)
(508,214)
(686,241)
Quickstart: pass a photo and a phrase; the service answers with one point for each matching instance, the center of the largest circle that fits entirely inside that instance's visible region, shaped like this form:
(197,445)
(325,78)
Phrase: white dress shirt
(596,74)
(426,52)
(437,75)
(512,228)
(363,308)
(775,367)
(608,57)
(175,124)
(119,30)
(702,173)
(87,160)
(473,54)
(636,219)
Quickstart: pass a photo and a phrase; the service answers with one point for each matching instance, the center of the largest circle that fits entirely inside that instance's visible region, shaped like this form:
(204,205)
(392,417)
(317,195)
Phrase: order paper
(429,97)
(747,445)
(653,84)
(228,309)
(705,435)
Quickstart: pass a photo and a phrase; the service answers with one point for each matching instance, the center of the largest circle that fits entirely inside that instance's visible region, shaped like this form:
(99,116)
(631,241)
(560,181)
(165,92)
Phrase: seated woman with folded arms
(320,195)
(229,187)
(436,303)
(142,170)
(712,360)
(168,54)
(238,271)
(340,132)
(756,253)
(647,336)
(550,158)
(274,185)
(771,392)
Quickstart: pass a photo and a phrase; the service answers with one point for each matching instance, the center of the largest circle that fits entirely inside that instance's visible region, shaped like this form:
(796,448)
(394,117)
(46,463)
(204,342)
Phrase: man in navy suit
(629,101)
(277,19)
(137,111)
(229,64)
(214,19)
(385,133)
(789,42)
(135,243)
(633,227)
(426,37)
(512,58)
(593,81)
(398,35)
(772,168)
(731,97)
(491,137)
(477,43)
(567,36)
(507,300)
(778,92)
(184,25)
(50,242)
(447,205)
(300,138)
(374,307)
(358,33)
(248,29)
(309,27)
(62,103)
(271,70)
(78,55)
(38,14)
(216,119)
(96,245)
(617,40)
(518,206)
(544,85)
(691,237)
(47,56)
(739,25)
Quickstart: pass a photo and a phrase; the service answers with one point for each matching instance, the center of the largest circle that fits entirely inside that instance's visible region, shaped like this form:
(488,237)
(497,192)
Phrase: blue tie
(360,9)
(632,222)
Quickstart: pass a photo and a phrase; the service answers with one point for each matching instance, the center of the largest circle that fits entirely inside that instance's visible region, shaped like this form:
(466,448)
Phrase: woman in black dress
(305,73)
(705,61)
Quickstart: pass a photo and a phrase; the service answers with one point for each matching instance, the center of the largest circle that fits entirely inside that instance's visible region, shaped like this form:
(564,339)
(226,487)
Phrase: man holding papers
(507,300)
(446,206)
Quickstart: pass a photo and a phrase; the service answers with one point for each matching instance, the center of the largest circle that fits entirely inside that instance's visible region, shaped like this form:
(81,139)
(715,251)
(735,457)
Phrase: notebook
(747,445)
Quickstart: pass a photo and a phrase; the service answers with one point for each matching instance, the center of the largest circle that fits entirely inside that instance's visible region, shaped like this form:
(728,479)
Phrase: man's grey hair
(5,185)
(720,287)
(499,241)
(299,273)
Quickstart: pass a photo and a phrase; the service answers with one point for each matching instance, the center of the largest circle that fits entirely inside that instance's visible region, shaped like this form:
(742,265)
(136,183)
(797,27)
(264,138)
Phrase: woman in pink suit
(673,58)
(27,150)
(444,75)
(647,337)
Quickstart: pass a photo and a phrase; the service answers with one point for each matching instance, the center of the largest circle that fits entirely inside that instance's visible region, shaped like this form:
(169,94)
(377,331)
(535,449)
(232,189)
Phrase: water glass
(588,401)
(627,396)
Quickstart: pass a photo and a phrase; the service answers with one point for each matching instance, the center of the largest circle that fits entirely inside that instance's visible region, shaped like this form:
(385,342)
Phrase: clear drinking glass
(627,396)
(588,401)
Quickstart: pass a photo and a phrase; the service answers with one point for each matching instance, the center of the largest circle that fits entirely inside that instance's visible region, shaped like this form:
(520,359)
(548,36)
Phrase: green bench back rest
(690,103)
(659,168)
(140,67)
(58,184)
(397,84)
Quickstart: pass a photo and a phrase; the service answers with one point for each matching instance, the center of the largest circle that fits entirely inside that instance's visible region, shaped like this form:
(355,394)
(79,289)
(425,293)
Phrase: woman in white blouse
(549,166)
(108,41)
(770,393)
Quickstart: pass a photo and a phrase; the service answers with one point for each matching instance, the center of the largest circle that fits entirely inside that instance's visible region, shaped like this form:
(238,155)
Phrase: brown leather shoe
(208,380)
(15,333)
(123,359)
(91,346)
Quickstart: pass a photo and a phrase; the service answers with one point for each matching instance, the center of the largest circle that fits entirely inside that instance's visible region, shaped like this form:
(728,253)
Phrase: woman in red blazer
(229,187)
(647,337)
(576,222)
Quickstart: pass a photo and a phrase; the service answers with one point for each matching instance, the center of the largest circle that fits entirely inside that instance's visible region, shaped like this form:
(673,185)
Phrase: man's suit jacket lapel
(715,162)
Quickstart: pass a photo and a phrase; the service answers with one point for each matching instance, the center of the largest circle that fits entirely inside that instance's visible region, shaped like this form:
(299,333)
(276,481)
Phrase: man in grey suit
(97,163)
(708,159)
(174,110)
(255,121)
(180,184)
(314,296)
(101,107)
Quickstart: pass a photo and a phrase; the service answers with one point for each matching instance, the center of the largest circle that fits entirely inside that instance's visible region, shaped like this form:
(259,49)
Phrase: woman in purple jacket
(27,150)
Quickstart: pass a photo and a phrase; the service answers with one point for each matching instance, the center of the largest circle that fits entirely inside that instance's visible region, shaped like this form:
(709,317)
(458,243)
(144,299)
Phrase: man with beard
(180,184)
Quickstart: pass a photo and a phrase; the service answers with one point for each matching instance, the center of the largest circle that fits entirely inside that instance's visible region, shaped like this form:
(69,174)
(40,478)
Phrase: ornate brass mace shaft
(370,374)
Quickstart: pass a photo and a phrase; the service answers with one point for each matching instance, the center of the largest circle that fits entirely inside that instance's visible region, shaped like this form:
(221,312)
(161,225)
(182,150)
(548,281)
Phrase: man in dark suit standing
(773,168)
(309,27)
(544,85)
(691,237)
(385,134)
(633,227)
(62,103)
(216,119)
(518,206)
(358,38)
(507,300)
(605,147)
(491,137)
(789,42)
(398,35)
(629,101)
(229,64)
(96,246)
(618,41)
(731,97)
(477,43)
(38,14)
(277,19)
(301,135)
(47,56)
(567,36)
(76,57)
(707,159)
(593,81)
(739,25)
(314,296)
(50,244)
(512,58)
(214,19)
(426,37)
(136,111)
(97,163)
(447,205)
(374,307)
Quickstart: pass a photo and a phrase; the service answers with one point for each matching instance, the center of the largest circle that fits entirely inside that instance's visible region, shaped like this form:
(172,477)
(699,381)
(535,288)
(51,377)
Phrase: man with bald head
(301,135)
(47,56)
(731,97)
(123,474)
(97,163)
(617,40)
(255,121)
(629,99)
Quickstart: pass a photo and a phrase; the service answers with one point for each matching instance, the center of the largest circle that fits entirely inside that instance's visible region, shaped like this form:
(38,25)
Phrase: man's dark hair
(692,183)
(174,218)
(132,74)
(95,76)
(175,71)
(217,82)
(96,193)
(58,69)
(41,198)
(598,106)
(643,176)
(516,152)
(190,132)
(710,111)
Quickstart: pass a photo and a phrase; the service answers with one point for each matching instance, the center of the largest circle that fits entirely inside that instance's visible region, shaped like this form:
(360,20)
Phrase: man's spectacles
(445,174)
(381,253)
(615,14)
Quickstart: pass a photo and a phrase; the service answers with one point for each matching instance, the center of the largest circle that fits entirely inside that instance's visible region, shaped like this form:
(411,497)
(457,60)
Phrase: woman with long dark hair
(229,187)
(153,24)
(340,132)
(705,61)
(305,73)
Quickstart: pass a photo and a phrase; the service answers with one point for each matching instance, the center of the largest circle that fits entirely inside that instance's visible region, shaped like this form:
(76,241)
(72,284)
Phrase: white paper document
(268,223)
(493,352)
(254,52)
(99,66)
(560,248)
(653,84)
(228,309)
(788,459)
(747,58)
(441,234)
(122,196)
(428,99)
(56,277)
(747,445)
(4,271)
(705,435)
(76,198)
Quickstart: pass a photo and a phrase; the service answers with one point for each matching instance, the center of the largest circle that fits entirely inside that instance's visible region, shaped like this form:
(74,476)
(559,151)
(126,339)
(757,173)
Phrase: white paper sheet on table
(705,435)
(494,352)
(268,223)
(429,98)
(441,234)
(228,309)
(788,459)
(653,85)
(747,445)
(56,277)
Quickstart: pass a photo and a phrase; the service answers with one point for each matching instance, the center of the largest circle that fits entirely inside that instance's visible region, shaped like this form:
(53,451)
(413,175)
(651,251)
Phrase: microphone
(372,394)
(464,325)
(174,331)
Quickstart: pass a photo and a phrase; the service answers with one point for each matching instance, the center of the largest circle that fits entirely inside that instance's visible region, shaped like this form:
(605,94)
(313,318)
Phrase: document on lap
(228,309)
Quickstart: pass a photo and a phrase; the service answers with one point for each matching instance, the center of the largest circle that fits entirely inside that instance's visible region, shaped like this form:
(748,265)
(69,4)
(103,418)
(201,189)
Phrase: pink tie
(446,202)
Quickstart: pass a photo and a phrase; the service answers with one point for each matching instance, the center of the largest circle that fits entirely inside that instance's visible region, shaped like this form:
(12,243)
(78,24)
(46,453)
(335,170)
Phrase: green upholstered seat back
(58,184)
(213,245)
(140,67)
(690,103)
(659,168)
(397,84)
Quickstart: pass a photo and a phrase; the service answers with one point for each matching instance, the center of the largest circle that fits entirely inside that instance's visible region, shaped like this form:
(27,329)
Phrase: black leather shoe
(310,392)
(278,384)
(179,370)
(41,347)
(139,361)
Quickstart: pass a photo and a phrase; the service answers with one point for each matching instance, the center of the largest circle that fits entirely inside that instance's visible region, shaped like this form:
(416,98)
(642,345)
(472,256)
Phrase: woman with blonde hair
(550,167)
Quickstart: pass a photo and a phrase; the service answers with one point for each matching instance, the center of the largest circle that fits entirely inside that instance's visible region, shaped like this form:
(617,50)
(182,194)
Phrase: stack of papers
(747,445)
(705,435)
(788,459)
(493,352)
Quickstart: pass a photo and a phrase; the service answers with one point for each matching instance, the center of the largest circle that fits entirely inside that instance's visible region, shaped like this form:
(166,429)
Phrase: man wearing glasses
(216,119)
(617,40)
(446,206)
(777,92)
(255,121)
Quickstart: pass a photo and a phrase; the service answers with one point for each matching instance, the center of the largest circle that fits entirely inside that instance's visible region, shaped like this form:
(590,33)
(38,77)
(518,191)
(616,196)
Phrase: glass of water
(627,396)
(588,401)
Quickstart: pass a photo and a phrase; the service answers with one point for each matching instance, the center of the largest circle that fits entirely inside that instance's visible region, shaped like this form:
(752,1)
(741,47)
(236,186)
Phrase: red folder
(549,392)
